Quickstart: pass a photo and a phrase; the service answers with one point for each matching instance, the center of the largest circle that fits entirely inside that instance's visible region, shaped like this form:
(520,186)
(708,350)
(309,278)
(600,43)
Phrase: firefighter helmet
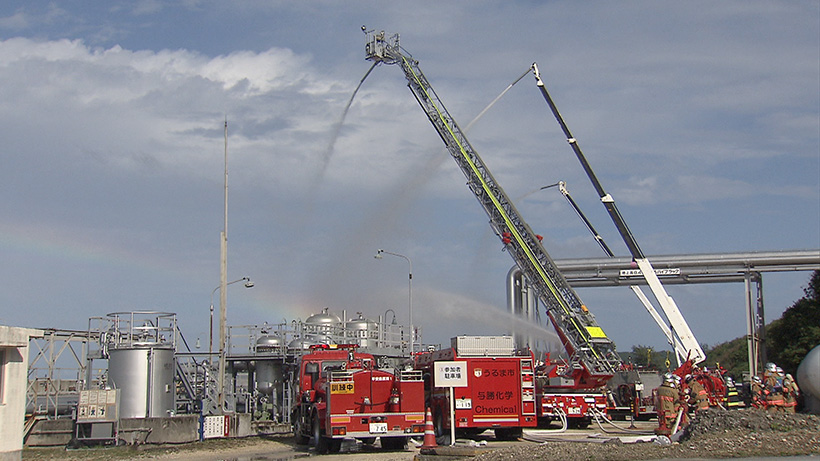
(669,378)
(771,367)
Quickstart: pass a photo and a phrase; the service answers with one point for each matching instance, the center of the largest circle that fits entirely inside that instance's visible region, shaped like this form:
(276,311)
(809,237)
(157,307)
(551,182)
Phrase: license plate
(378,428)
(573,411)
(464,404)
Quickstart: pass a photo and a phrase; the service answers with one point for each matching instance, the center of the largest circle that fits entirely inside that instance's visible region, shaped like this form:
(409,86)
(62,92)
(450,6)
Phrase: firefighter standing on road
(698,395)
(668,398)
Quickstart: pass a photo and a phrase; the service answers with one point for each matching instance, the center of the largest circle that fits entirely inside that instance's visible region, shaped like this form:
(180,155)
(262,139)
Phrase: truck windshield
(331,365)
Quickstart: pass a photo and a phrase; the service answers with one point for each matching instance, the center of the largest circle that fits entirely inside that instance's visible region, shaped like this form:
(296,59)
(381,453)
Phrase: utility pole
(223,287)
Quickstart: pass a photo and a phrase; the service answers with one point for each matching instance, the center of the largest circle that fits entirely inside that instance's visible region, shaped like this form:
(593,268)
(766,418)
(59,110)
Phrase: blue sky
(702,119)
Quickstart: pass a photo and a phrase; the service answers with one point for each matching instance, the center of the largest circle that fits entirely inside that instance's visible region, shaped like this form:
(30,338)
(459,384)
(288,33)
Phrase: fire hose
(599,416)
(531,435)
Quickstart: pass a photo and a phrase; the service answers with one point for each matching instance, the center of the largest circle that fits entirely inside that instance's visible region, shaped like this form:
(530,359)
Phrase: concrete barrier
(173,429)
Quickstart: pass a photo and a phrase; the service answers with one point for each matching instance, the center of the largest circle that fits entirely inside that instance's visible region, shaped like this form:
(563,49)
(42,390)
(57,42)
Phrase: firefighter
(756,389)
(668,401)
(790,393)
(773,389)
(732,396)
(698,395)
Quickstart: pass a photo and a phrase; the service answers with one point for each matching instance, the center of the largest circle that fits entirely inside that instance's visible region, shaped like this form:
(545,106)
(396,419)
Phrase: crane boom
(673,341)
(686,346)
(592,355)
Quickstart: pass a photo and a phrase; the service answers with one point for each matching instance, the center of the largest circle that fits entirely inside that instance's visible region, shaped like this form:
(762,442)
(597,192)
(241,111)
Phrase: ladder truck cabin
(342,394)
(592,359)
(500,391)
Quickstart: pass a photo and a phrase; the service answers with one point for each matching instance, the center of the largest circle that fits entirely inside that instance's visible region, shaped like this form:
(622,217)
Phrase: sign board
(344,387)
(450,374)
(97,405)
(216,426)
(658,272)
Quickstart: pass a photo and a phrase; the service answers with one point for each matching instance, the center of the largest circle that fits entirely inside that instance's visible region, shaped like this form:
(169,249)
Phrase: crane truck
(592,358)
(677,332)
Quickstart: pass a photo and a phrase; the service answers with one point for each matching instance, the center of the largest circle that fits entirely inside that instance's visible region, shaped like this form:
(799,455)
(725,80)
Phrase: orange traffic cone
(429,432)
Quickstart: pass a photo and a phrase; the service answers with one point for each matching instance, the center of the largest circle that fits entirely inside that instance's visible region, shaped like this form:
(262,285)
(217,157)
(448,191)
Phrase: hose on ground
(601,416)
(531,436)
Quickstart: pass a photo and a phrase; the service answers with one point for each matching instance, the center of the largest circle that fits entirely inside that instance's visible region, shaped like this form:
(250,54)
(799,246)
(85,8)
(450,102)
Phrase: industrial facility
(134,377)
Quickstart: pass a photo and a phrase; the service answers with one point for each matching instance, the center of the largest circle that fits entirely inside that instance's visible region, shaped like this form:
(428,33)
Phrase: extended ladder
(593,358)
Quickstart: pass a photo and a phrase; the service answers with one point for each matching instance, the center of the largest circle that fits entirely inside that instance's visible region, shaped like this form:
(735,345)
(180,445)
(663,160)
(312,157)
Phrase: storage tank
(323,323)
(269,372)
(140,347)
(298,347)
(362,331)
(145,378)
(808,378)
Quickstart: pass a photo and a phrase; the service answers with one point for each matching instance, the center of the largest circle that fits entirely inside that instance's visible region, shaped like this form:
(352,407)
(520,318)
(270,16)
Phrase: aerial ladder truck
(592,358)
(677,332)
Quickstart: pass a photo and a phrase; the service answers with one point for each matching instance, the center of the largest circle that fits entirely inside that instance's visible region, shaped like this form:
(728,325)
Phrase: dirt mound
(716,421)
(713,434)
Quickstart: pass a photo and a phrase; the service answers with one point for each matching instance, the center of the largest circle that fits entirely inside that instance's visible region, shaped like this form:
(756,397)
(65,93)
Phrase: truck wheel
(319,440)
(394,443)
(298,433)
(508,433)
(442,433)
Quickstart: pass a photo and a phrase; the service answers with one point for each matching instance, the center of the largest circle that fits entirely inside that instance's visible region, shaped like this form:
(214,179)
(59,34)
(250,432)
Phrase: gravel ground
(714,434)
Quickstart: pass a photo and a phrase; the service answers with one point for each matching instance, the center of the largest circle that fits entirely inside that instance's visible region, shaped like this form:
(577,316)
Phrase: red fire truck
(343,394)
(500,391)
(559,399)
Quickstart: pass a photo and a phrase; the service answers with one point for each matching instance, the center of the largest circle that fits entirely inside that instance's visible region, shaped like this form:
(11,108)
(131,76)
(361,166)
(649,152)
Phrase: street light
(409,291)
(248,284)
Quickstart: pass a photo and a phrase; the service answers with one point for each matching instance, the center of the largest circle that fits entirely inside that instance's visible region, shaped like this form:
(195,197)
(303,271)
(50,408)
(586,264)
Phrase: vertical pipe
(750,324)
(761,322)
(514,300)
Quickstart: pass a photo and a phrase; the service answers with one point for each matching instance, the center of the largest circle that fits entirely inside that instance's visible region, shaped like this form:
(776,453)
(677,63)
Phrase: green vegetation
(731,355)
(793,335)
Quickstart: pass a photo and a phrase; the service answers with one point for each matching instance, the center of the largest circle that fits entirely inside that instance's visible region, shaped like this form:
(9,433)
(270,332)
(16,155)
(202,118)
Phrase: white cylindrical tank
(145,378)
(299,346)
(808,378)
(360,330)
(323,323)
(269,345)
(269,373)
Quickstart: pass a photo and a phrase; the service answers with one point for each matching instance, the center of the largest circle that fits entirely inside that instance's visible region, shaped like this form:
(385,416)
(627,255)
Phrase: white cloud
(683,111)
